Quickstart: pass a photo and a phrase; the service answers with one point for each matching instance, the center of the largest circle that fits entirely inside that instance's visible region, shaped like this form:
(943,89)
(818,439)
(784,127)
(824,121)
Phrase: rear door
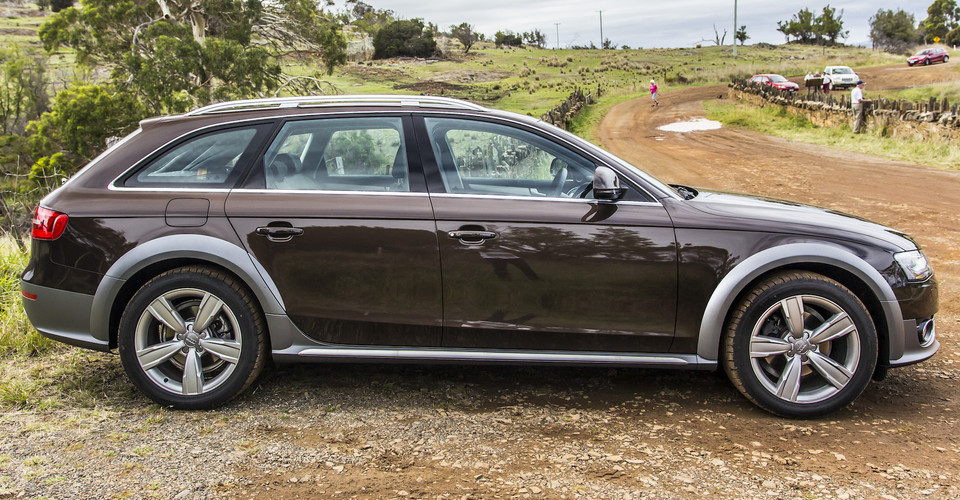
(337,214)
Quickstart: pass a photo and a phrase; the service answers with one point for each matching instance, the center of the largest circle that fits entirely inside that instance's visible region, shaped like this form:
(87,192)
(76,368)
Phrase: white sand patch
(693,125)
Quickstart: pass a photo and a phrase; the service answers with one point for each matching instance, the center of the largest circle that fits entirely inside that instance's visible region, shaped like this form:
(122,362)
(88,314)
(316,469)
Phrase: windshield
(777,79)
(843,71)
(922,52)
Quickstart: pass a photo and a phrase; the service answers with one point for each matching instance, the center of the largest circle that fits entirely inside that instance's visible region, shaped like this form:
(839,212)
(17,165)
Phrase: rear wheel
(946,58)
(800,345)
(192,338)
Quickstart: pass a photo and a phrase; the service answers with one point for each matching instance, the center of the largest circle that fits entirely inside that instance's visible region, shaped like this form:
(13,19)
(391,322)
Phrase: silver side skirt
(464,356)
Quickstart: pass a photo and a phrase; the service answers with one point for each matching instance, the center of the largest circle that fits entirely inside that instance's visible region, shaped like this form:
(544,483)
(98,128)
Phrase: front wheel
(192,338)
(800,345)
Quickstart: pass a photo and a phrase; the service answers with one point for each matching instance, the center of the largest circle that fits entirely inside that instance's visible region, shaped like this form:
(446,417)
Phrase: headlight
(914,264)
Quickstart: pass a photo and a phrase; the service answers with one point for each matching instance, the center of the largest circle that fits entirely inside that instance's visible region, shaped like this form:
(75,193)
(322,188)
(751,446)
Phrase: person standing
(857,101)
(653,93)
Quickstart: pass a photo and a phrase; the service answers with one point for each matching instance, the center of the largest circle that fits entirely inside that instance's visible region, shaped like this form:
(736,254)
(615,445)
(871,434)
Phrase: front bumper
(62,315)
(919,342)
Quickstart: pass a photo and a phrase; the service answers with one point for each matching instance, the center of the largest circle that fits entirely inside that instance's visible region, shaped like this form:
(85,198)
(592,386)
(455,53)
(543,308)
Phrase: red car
(777,81)
(927,56)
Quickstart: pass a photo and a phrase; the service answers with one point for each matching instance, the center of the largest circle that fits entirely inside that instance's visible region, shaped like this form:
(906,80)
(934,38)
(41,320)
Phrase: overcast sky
(664,23)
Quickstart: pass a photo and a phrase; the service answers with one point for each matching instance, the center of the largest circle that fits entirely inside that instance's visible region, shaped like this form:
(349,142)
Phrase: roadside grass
(38,374)
(17,337)
(776,121)
(949,90)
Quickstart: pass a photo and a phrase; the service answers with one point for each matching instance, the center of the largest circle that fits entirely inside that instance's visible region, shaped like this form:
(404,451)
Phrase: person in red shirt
(653,93)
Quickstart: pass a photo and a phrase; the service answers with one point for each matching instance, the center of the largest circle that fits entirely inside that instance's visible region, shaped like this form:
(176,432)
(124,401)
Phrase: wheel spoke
(209,308)
(192,374)
(788,387)
(793,314)
(833,372)
(154,355)
(761,347)
(834,327)
(226,350)
(164,312)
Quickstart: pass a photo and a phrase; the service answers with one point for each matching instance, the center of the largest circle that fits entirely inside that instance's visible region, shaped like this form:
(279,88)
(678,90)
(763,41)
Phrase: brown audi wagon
(406,228)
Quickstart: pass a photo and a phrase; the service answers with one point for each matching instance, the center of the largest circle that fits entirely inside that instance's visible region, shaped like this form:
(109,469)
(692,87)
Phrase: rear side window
(210,160)
(338,154)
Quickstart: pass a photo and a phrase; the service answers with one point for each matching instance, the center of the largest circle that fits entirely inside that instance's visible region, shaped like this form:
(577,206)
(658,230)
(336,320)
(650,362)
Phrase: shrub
(404,38)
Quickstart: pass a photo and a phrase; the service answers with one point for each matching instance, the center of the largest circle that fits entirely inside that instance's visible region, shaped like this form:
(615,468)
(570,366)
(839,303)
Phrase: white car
(841,77)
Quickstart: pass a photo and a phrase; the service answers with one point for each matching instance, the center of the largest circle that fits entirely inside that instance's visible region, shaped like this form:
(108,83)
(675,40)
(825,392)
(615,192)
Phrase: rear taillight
(48,224)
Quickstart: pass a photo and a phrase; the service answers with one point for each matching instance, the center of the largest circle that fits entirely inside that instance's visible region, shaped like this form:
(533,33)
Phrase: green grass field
(776,121)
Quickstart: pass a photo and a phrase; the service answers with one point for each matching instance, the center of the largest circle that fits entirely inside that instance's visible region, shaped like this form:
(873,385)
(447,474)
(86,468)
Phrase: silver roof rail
(336,100)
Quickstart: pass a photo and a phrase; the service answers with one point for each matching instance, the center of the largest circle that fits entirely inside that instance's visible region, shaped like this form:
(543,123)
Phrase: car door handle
(472,235)
(279,232)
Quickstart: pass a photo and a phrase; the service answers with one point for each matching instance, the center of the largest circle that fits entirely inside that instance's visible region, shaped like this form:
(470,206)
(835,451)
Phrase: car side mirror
(606,184)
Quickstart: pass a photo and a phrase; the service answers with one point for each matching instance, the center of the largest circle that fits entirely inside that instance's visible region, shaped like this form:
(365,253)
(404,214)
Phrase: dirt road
(920,200)
(368,431)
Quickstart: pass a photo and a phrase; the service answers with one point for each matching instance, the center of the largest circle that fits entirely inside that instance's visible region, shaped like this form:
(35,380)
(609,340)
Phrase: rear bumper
(62,316)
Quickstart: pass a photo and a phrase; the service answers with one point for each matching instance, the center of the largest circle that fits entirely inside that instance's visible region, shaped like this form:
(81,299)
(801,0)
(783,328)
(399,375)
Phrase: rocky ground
(423,431)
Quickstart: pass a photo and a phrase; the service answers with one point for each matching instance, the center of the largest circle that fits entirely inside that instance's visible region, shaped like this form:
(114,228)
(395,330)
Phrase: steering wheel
(556,187)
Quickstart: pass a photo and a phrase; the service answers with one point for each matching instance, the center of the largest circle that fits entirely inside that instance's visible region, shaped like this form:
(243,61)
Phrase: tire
(926,62)
(808,369)
(175,365)
(946,59)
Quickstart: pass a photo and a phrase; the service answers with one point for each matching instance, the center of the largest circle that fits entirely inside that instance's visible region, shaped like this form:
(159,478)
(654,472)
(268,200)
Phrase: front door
(530,260)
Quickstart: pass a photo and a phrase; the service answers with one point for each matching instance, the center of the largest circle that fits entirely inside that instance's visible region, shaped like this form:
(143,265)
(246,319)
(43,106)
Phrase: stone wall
(566,110)
(914,120)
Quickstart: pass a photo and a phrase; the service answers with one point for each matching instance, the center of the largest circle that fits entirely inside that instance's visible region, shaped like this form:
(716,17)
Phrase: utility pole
(558,34)
(735,28)
(601,28)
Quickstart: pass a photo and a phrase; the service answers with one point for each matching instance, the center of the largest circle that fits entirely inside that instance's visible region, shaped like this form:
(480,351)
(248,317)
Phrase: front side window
(203,161)
(477,157)
(338,154)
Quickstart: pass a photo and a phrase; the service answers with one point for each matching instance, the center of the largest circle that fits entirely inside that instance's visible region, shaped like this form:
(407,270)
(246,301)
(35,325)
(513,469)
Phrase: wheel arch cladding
(834,262)
(139,265)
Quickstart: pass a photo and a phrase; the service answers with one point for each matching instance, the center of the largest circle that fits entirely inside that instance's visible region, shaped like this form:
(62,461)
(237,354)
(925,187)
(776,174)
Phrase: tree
(828,26)
(465,34)
(741,35)
(404,38)
(79,122)
(806,28)
(22,94)
(368,18)
(800,27)
(942,16)
(175,54)
(953,37)
(58,5)
(718,39)
(507,38)
(536,38)
(893,31)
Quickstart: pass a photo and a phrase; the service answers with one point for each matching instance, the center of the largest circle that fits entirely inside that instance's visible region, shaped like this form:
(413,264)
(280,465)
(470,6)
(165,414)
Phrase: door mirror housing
(606,184)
